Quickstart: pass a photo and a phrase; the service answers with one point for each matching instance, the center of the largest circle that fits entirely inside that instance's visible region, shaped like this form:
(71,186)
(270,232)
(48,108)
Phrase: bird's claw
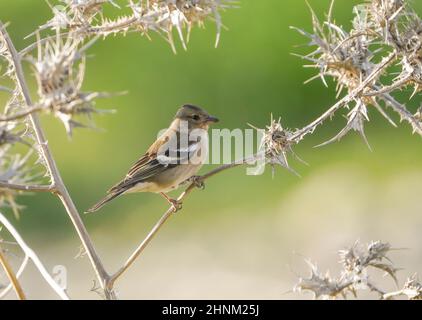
(177,205)
(200,184)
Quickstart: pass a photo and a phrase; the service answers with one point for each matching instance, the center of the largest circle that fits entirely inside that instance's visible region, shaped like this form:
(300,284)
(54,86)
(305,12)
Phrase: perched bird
(176,156)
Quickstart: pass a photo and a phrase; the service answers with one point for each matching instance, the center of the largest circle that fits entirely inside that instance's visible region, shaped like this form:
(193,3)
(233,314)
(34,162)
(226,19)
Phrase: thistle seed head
(356,262)
(59,71)
(383,32)
(413,288)
(277,144)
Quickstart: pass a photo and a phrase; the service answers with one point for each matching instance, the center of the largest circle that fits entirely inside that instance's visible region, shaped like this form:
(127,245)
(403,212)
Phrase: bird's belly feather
(168,180)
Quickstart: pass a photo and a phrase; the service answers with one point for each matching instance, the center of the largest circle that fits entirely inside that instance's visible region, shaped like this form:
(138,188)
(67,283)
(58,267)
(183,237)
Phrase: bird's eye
(195,117)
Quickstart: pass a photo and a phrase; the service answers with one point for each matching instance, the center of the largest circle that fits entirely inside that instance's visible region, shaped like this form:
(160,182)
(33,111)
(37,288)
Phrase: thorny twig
(386,30)
(26,188)
(356,262)
(56,179)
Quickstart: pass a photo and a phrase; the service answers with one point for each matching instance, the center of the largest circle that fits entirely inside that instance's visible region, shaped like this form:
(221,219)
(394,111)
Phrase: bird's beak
(212,119)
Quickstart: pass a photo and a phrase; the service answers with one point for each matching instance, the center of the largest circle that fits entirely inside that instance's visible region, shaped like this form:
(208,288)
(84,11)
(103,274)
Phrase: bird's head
(195,116)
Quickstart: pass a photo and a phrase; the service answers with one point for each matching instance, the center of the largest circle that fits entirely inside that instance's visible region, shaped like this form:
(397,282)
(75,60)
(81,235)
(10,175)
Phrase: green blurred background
(232,240)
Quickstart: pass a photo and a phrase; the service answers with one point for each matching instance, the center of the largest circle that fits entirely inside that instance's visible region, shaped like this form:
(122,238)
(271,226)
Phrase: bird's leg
(196,180)
(177,205)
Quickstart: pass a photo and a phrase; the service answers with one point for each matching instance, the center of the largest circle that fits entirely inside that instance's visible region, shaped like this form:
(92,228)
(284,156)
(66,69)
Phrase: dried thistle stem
(18,274)
(57,181)
(27,188)
(403,112)
(21,114)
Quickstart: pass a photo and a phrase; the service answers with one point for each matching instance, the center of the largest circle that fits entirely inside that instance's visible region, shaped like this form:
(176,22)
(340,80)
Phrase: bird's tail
(104,201)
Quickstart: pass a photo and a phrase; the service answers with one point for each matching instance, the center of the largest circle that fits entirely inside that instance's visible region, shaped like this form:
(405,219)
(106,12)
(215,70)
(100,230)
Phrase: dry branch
(59,70)
(57,182)
(11,275)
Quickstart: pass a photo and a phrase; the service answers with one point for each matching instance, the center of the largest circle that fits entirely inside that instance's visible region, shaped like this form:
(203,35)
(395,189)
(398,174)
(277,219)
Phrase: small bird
(175,157)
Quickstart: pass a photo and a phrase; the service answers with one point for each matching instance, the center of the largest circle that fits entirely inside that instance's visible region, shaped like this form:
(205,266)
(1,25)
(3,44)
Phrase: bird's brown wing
(152,164)
(141,171)
(146,167)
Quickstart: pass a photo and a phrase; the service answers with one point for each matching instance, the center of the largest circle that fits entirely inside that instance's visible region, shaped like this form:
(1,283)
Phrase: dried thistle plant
(85,17)
(383,33)
(15,169)
(412,289)
(59,71)
(276,144)
(355,276)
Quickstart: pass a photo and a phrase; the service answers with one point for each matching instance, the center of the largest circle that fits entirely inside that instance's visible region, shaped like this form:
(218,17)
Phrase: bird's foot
(198,182)
(177,205)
